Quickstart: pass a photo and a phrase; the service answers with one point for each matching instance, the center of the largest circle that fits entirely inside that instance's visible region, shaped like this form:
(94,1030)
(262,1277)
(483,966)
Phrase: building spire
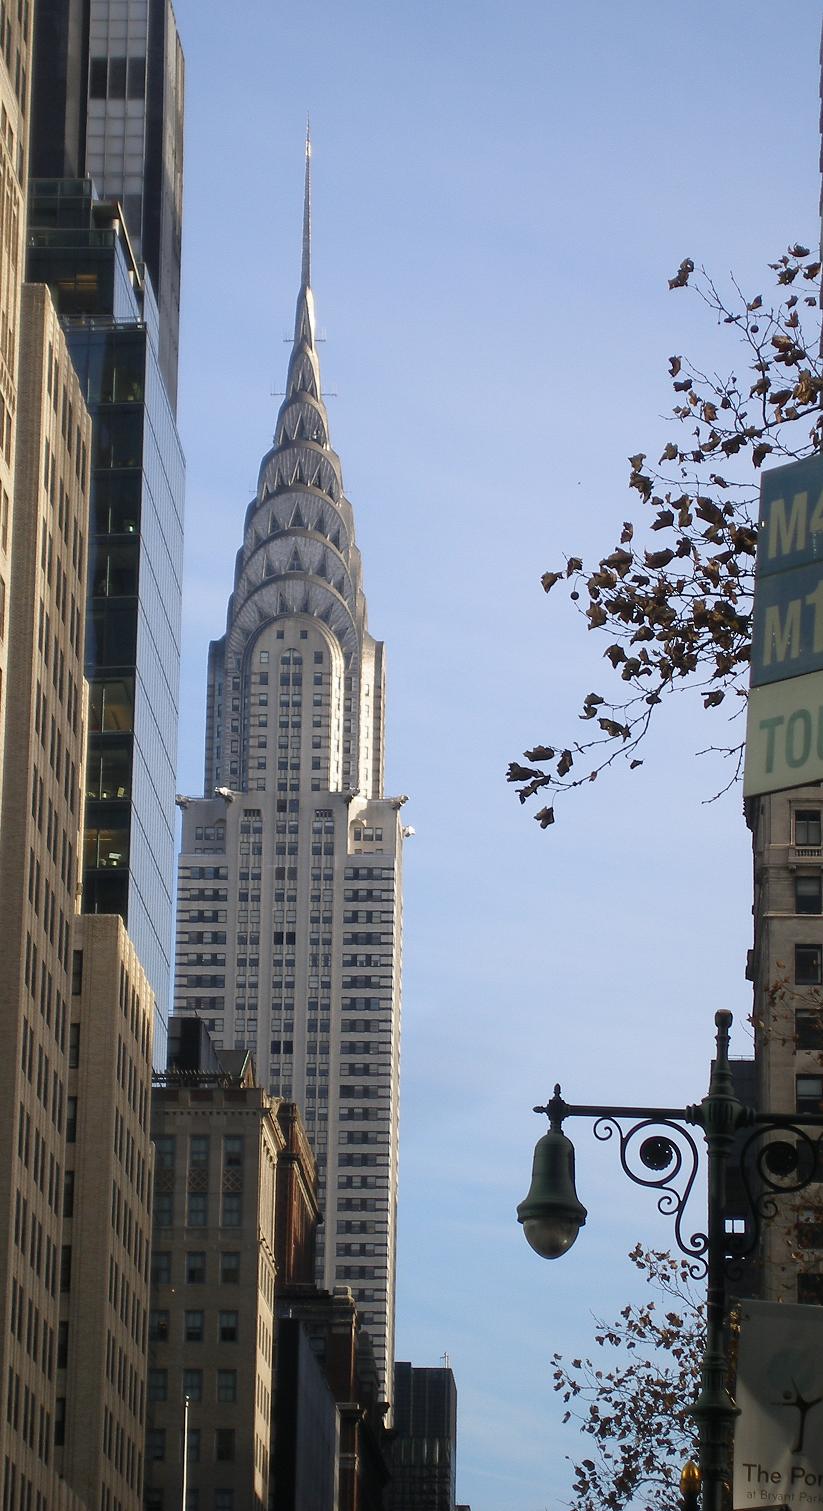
(306,270)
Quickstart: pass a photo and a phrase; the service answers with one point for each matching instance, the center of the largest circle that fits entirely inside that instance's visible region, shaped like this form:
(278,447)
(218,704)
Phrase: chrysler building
(289,923)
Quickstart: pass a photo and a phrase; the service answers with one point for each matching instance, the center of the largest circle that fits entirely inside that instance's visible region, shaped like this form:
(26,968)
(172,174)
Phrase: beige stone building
(211,1333)
(106,1242)
(38,873)
(15,89)
(786,968)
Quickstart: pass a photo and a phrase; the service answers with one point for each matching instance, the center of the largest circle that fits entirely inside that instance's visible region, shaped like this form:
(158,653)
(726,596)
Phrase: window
(808,960)
(198,1151)
(193,1384)
(198,1209)
(227,1384)
(158,1327)
(193,1446)
(160,1267)
(98,68)
(808,896)
(809,1028)
(163,1209)
(224,1444)
(810,1289)
(74,1038)
(195,1268)
(68,1194)
(156,1444)
(224,1500)
(232,1210)
(158,1385)
(164,1156)
(192,1492)
(233,1153)
(809,1093)
(227,1326)
(230,1268)
(807,827)
(194,1327)
(71,1120)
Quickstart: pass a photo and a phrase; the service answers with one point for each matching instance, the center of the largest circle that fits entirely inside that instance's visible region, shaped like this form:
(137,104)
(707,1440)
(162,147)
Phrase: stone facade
(107,1221)
(211,1331)
(786,968)
(39,838)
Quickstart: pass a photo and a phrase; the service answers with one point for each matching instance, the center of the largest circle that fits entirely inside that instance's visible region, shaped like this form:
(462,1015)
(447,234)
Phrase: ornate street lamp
(658,1137)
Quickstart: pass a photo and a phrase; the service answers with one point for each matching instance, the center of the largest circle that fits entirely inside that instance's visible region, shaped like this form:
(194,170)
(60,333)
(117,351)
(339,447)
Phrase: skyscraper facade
(289,891)
(79,247)
(41,821)
(424,1456)
(108,105)
(786,969)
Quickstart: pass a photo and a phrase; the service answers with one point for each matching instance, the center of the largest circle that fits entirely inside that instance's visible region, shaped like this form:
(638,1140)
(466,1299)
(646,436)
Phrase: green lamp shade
(551,1214)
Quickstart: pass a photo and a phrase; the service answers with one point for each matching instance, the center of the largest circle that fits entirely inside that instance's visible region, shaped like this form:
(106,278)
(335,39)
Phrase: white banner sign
(778,1442)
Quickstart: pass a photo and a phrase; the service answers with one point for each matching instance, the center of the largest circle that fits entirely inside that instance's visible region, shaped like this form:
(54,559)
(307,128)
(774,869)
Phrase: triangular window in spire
(297,521)
(295,563)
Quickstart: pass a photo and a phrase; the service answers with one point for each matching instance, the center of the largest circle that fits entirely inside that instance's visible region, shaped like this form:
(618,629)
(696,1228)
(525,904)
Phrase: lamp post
(658,1137)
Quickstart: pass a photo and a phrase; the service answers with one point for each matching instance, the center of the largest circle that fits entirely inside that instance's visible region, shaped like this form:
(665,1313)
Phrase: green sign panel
(784,731)
(787,633)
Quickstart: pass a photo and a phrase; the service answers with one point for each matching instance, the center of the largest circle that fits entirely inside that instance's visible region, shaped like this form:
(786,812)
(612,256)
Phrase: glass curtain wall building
(79,247)
(108,90)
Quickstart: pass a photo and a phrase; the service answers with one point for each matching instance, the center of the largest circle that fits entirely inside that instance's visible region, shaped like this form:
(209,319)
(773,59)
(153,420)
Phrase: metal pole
(185,1454)
(714,1410)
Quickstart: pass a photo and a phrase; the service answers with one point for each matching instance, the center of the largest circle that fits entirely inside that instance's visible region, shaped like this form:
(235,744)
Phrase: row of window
(197,1209)
(194,1329)
(195,1271)
(198,1151)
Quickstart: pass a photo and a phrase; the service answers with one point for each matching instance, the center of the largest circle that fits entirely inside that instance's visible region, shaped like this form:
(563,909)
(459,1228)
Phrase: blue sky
(500,195)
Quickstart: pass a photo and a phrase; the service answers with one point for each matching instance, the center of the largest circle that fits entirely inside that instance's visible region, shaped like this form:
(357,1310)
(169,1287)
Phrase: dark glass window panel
(137,78)
(108,771)
(810,1233)
(118,437)
(160,1267)
(807,826)
(810,1289)
(111,633)
(117,78)
(196,1268)
(193,1384)
(230,1268)
(198,1209)
(106,847)
(193,1331)
(808,892)
(808,964)
(98,72)
(106,892)
(224,1444)
(809,1028)
(111,704)
(164,1151)
(199,1150)
(114,574)
(809,1093)
(116,503)
(158,1327)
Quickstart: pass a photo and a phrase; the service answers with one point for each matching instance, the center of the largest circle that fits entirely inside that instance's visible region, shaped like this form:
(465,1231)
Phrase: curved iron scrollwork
(774,1161)
(669,1153)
